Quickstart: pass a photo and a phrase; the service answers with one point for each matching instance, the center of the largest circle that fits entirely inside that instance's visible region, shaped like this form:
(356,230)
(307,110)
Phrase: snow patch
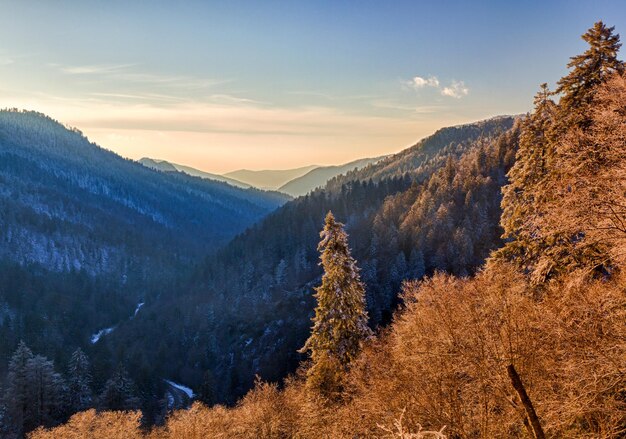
(182,388)
(101,333)
(139,305)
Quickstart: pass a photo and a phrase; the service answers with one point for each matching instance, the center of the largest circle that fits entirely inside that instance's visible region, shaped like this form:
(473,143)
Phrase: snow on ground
(182,388)
(139,305)
(101,333)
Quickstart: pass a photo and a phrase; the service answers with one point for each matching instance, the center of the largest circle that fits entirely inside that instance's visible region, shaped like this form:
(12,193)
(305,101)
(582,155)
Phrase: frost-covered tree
(45,393)
(340,322)
(587,71)
(79,382)
(34,393)
(119,392)
(16,392)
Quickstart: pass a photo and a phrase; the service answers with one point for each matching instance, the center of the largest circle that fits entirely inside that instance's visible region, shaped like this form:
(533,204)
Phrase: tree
(45,393)
(340,321)
(79,382)
(588,71)
(521,200)
(16,393)
(589,200)
(549,149)
(119,392)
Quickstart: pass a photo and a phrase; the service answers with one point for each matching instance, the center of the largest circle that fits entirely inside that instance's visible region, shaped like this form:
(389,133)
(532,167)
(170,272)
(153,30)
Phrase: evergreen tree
(45,393)
(588,71)
(16,393)
(535,179)
(119,392)
(521,197)
(340,322)
(79,382)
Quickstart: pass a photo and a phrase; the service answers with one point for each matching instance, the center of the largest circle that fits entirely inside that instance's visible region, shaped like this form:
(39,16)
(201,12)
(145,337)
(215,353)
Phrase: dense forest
(487,260)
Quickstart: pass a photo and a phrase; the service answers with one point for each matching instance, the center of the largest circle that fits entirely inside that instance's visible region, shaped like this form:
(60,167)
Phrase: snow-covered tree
(45,393)
(16,392)
(119,392)
(340,322)
(79,382)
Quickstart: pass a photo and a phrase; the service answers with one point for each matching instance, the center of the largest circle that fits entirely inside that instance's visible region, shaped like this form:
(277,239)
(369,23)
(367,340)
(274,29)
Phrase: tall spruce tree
(46,393)
(588,71)
(79,382)
(521,200)
(340,322)
(16,395)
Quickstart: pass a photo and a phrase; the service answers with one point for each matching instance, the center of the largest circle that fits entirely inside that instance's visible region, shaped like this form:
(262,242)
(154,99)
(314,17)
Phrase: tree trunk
(516,381)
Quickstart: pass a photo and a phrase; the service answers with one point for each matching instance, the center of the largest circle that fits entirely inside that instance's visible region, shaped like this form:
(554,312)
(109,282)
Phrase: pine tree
(521,197)
(535,180)
(340,322)
(45,393)
(588,71)
(79,382)
(16,393)
(119,392)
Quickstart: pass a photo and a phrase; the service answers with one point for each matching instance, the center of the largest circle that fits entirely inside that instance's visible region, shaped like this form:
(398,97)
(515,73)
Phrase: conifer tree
(119,392)
(340,322)
(588,71)
(45,393)
(16,393)
(79,382)
(521,197)
(536,178)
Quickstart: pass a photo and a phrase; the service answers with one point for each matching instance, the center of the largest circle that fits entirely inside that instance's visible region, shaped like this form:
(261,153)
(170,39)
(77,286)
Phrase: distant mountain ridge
(318,177)
(165,166)
(269,178)
(295,182)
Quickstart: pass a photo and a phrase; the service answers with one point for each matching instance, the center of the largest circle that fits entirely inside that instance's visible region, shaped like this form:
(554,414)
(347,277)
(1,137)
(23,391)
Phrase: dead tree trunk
(516,381)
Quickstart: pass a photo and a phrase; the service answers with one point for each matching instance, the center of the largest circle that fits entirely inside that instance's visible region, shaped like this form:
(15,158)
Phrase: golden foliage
(92,425)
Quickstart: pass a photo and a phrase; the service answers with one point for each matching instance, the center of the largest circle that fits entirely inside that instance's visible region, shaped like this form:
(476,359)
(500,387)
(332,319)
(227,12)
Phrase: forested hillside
(530,344)
(249,309)
(85,235)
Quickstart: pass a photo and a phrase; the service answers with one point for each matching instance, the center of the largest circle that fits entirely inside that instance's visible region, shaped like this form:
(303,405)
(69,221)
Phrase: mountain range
(294,182)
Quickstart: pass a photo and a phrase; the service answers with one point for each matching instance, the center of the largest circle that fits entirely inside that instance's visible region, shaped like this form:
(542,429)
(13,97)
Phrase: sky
(224,85)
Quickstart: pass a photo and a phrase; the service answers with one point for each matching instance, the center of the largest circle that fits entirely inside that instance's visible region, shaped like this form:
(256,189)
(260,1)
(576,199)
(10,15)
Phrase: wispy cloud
(456,89)
(127,73)
(95,69)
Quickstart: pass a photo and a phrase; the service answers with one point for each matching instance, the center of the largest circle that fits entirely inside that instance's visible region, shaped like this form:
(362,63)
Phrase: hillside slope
(165,166)
(318,177)
(85,235)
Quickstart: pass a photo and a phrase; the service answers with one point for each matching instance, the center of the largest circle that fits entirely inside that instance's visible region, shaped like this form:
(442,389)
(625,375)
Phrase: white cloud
(456,89)
(419,82)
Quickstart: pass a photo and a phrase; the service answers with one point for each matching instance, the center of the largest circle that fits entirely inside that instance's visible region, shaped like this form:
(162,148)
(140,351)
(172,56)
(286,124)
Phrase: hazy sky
(273,84)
